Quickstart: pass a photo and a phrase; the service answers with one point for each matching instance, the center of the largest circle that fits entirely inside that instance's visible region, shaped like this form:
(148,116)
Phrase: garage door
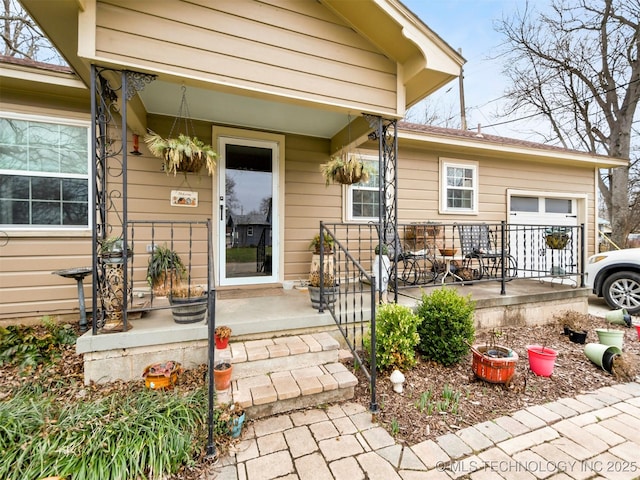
(532,254)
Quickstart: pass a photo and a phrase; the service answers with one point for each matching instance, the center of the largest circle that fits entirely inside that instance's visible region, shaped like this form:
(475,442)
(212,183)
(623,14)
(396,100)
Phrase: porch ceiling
(163,98)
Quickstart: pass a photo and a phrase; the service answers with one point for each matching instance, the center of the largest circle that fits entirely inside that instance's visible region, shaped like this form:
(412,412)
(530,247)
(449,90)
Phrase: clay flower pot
(222,376)
(495,364)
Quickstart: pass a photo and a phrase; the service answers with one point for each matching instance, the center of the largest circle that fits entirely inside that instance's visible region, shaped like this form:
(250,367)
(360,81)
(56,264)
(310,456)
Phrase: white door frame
(221,137)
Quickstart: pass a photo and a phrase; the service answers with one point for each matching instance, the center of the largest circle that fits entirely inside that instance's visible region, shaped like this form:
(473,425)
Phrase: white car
(615,275)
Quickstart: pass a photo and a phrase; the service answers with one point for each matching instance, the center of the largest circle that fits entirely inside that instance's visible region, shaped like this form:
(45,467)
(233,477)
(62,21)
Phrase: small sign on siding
(183,198)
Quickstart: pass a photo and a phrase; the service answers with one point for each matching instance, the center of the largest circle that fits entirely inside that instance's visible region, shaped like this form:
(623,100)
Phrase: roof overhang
(426,62)
(503,148)
(28,82)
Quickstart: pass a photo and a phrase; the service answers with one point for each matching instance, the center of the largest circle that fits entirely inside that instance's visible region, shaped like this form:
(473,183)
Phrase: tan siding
(289,48)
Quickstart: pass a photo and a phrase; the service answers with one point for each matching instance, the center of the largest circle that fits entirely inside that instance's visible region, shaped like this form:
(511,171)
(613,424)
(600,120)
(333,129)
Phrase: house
(277,87)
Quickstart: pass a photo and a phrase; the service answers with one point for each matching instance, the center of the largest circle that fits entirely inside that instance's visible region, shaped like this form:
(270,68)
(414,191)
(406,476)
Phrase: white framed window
(44,173)
(363,199)
(249,231)
(458,186)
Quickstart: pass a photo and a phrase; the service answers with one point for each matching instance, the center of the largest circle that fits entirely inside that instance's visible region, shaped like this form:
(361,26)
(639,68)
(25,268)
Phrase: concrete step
(287,373)
(281,354)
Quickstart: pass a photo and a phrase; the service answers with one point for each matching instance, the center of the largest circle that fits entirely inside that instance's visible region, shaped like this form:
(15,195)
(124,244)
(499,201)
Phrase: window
(363,199)
(44,179)
(249,231)
(459,186)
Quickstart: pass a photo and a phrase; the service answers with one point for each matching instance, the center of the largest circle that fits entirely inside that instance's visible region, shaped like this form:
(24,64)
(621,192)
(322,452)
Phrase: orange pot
(495,365)
(222,376)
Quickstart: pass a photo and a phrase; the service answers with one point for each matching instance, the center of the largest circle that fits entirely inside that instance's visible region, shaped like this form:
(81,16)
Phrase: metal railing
(433,254)
(347,289)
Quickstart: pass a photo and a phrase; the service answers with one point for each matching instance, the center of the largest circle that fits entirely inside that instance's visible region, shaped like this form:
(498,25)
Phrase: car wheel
(622,290)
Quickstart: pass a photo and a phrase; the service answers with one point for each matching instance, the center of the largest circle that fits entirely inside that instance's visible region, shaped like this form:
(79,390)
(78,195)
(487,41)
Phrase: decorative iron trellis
(386,132)
(110,91)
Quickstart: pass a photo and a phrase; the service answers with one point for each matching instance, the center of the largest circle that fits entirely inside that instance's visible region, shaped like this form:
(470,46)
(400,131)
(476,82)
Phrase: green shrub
(396,337)
(446,325)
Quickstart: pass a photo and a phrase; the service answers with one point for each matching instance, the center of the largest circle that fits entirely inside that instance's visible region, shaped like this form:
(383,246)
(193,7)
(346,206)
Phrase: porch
(155,337)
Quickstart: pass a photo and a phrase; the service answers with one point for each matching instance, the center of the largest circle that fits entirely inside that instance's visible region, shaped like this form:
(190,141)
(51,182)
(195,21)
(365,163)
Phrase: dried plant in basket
(345,168)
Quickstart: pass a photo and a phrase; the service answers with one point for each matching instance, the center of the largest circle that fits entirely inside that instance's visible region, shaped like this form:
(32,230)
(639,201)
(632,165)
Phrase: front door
(247,211)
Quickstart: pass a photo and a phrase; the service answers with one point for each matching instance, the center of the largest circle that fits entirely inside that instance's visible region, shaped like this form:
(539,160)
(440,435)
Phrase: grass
(48,428)
(243,254)
(143,434)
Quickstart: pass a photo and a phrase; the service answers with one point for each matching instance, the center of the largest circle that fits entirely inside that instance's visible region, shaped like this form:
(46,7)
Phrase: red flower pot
(221,343)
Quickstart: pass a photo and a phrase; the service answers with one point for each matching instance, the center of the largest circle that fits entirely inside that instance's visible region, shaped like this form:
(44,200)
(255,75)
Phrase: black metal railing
(433,254)
(347,290)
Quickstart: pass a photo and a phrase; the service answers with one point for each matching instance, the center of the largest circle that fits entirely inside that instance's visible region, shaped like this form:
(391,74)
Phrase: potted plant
(161,375)
(221,336)
(188,303)
(233,415)
(165,269)
(222,374)
(330,288)
(574,325)
(492,362)
(111,250)
(345,168)
(556,238)
(182,153)
(314,246)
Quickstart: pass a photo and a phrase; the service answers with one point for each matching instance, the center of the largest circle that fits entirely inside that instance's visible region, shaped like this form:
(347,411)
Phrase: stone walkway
(594,435)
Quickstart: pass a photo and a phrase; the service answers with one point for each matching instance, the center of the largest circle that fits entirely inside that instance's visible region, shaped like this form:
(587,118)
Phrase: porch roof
(424,63)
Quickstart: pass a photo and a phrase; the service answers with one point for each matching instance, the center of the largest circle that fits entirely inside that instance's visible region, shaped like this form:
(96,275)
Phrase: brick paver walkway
(594,435)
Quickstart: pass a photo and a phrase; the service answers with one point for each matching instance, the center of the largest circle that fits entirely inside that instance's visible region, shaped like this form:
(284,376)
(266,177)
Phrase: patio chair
(412,267)
(478,244)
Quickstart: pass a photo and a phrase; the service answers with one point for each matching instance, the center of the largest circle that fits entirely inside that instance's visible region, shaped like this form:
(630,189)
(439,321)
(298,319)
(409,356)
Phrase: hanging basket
(345,169)
(184,152)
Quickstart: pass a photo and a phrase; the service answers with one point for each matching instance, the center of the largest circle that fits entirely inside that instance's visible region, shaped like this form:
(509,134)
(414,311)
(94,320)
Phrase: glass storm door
(247,211)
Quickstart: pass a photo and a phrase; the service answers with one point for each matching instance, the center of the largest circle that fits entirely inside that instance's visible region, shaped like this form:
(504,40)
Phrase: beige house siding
(293,49)
(27,258)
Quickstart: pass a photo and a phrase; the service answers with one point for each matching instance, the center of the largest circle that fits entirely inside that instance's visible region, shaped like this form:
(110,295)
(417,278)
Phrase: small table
(447,268)
(78,274)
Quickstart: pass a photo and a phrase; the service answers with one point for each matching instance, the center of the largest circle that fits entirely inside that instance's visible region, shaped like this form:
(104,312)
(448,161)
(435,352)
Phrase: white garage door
(533,257)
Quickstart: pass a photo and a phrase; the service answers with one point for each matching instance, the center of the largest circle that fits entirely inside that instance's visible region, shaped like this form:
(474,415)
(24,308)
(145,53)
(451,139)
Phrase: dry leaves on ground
(412,420)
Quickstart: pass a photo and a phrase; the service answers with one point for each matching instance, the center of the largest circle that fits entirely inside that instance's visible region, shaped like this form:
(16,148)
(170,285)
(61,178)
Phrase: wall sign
(182,198)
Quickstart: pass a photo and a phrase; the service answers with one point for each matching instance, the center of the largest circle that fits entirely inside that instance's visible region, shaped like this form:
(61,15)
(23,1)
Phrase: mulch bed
(478,400)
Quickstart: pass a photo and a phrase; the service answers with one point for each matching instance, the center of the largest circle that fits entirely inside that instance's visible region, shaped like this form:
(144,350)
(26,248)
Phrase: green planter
(610,337)
(601,355)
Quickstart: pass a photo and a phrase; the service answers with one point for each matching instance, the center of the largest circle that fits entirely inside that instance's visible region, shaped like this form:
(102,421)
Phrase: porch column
(386,132)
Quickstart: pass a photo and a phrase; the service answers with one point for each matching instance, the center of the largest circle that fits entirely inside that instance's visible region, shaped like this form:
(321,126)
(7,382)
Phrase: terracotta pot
(495,364)
(222,376)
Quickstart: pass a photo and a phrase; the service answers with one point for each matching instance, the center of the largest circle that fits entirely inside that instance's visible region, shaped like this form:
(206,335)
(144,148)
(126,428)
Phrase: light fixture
(136,145)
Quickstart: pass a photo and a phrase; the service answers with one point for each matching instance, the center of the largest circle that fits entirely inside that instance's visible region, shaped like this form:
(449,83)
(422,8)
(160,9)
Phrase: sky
(469,25)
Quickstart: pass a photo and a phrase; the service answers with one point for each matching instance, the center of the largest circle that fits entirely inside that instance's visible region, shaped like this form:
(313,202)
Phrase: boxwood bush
(446,325)
(396,337)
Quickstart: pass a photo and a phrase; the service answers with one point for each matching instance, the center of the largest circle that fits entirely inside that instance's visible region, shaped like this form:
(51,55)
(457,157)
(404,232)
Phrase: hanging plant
(345,168)
(182,153)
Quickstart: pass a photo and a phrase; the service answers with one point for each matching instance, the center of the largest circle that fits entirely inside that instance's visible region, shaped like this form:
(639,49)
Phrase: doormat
(249,293)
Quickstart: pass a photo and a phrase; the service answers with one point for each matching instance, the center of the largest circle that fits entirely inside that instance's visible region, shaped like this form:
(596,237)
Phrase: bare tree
(577,65)
(22,38)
